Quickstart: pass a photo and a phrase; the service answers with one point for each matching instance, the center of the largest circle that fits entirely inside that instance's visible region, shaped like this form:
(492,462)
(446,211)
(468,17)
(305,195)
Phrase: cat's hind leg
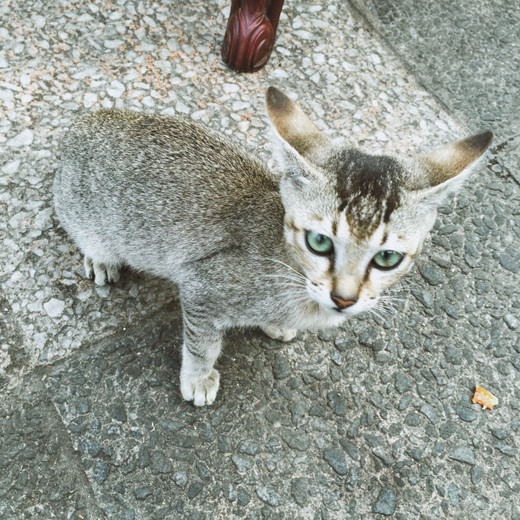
(101,264)
(99,260)
(101,273)
(279,334)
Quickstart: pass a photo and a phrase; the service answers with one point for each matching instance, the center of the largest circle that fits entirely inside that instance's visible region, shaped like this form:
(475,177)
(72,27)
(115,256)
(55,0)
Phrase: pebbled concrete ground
(466,53)
(371,420)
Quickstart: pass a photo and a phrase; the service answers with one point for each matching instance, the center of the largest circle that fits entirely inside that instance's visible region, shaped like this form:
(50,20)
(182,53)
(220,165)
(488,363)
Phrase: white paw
(202,391)
(280,334)
(100,272)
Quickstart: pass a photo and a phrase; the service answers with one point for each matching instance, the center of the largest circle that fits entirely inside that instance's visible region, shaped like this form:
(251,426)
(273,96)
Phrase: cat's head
(355,222)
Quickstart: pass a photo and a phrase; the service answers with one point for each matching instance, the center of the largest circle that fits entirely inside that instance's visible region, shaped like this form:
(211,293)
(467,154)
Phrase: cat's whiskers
(302,299)
(280,279)
(391,295)
(395,290)
(386,305)
(289,284)
(392,303)
(292,269)
(284,277)
(383,308)
(297,289)
(376,313)
(391,299)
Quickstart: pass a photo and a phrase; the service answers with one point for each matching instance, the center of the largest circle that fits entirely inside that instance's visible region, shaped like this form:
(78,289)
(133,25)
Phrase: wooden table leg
(250,33)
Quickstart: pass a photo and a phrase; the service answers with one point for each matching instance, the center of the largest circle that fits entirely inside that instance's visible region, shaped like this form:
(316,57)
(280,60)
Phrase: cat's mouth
(342,303)
(349,311)
(345,308)
(334,305)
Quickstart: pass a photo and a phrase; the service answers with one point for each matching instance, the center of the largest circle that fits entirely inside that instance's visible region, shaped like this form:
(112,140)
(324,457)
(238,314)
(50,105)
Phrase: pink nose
(341,303)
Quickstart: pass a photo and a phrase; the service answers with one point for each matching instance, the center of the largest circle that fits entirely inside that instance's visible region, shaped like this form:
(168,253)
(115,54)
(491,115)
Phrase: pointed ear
(295,167)
(294,127)
(446,168)
(452,159)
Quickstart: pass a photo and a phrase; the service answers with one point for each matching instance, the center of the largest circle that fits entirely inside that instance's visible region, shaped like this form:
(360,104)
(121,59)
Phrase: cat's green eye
(387,259)
(319,244)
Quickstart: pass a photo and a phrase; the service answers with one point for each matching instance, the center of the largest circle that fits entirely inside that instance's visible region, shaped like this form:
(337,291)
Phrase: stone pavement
(372,420)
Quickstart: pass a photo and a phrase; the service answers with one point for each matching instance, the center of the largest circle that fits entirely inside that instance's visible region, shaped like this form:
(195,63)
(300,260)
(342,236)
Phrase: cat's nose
(342,303)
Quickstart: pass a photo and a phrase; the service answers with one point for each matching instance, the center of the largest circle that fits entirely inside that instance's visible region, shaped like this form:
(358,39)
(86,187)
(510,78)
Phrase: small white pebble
(113,44)
(230,87)
(319,58)
(54,307)
(11,167)
(90,99)
(39,21)
(116,89)
(24,138)
(182,108)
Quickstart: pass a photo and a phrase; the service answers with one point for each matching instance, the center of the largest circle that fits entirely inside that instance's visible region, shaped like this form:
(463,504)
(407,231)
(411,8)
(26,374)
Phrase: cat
(301,249)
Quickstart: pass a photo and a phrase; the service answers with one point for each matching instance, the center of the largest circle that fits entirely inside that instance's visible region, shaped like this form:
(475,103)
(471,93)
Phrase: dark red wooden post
(250,33)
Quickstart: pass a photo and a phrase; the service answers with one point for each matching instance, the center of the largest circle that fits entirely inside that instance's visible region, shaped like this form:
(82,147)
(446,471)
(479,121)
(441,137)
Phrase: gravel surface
(466,53)
(371,420)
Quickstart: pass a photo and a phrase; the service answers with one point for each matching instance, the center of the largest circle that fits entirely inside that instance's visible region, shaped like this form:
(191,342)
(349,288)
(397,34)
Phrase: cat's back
(144,147)
(138,182)
(157,163)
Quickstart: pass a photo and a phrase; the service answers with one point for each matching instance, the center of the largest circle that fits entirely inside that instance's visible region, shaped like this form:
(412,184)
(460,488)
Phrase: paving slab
(41,475)
(466,53)
(371,420)
(326,428)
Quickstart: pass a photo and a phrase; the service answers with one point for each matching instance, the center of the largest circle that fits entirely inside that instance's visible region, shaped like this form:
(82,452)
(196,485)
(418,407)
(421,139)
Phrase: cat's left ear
(294,127)
(447,167)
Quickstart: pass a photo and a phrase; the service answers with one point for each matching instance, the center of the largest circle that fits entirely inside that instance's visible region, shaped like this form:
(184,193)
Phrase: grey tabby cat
(245,246)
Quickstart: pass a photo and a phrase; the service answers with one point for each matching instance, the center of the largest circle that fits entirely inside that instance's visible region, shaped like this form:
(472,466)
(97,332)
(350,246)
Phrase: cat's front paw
(280,334)
(101,273)
(202,391)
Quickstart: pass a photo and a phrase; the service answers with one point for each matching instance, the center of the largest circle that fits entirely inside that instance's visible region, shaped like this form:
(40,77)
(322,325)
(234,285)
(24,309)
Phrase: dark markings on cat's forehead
(368,187)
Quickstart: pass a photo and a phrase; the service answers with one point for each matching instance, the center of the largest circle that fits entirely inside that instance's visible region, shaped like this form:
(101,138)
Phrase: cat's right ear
(447,167)
(294,128)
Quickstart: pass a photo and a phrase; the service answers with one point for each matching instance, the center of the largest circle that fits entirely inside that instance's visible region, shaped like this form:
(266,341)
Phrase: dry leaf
(484,397)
